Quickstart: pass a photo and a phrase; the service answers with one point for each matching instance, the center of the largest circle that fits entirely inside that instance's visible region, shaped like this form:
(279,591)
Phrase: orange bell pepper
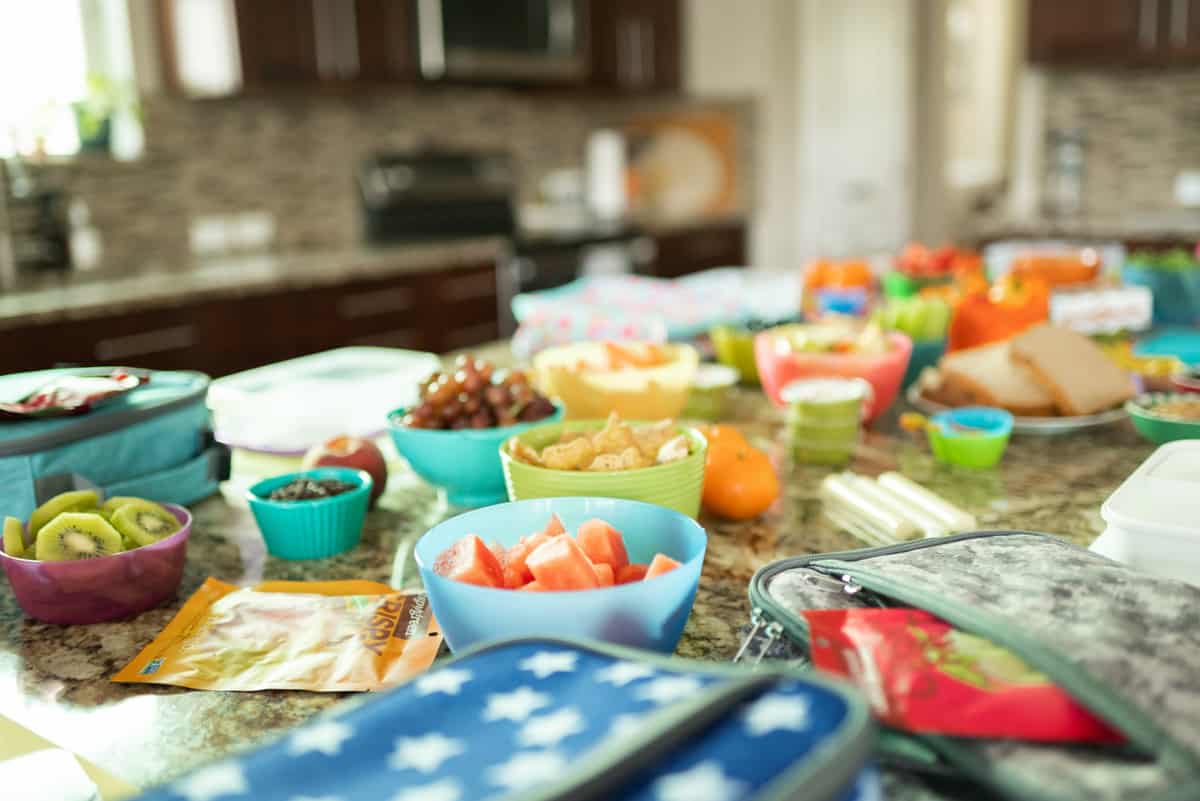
(1003,311)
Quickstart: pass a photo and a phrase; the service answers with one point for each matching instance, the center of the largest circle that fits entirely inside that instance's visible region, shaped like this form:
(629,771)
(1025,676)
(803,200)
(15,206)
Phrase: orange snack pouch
(331,636)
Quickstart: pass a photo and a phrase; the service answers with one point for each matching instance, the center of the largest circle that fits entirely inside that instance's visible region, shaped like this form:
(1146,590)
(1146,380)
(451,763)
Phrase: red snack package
(921,674)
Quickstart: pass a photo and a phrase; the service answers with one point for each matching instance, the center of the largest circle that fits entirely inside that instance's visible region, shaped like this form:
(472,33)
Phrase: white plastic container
(1154,517)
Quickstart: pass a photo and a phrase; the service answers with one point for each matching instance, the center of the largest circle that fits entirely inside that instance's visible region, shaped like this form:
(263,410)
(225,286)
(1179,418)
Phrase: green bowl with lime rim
(1156,427)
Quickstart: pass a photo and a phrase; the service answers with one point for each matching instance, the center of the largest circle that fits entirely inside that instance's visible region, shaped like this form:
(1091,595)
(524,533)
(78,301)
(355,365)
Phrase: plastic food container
(635,393)
(675,485)
(779,365)
(464,462)
(1157,428)
(107,588)
(312,529)
(824,418)
(971,436)
(711,392)
(735,347)
(643,614)
(1152,517)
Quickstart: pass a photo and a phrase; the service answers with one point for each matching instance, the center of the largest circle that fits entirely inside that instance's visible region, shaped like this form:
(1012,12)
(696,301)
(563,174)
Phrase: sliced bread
(988,376)
(1073,369)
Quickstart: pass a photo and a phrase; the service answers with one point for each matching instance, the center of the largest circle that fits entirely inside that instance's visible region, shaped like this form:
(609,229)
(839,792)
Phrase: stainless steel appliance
(502,40)
(431,196)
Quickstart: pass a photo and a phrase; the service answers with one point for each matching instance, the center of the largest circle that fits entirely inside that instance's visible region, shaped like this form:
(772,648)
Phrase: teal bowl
(464,462)
(311,529)
(925,353)
(642,614)
(981,446)
(1160,429)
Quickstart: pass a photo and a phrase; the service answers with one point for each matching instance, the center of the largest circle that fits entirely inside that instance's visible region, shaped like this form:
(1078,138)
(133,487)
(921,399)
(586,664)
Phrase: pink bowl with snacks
(779,364)
(107,588)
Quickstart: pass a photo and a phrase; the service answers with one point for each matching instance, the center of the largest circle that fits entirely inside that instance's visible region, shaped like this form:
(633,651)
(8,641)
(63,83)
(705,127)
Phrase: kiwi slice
(77,501)
(14,537)
(111,505)
(144,522)
(77,535)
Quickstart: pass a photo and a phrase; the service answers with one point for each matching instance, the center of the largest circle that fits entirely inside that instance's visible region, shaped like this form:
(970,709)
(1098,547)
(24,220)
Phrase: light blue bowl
(311,529)
(466,462)
(643,614)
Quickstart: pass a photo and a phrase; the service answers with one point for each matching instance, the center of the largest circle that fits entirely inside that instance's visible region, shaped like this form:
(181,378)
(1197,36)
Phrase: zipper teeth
(1128,719)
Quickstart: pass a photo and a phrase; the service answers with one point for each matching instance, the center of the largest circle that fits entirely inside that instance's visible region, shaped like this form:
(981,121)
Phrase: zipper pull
(774,632)
(849,586)
(756,623)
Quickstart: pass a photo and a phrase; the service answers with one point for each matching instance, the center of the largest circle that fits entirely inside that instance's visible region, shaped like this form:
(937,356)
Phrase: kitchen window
(66,80)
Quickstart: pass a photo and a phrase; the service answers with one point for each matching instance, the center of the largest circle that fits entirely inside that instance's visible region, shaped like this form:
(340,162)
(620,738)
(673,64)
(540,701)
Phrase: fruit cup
(314,528)
(104,588)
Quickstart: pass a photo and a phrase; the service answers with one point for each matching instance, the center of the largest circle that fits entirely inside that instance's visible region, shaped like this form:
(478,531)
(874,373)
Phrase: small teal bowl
(981,447)
(642,614)
(311,529)
(464,462)
(925,353)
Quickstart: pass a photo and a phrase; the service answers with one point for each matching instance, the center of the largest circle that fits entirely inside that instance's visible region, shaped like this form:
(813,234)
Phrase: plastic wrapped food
(334,636)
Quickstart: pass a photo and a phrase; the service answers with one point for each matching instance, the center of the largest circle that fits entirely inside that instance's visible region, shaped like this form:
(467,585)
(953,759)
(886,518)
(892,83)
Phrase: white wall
(736,48)
(835,88)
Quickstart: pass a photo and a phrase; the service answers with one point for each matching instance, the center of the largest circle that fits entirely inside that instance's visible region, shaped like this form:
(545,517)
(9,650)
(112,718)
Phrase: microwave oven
(542,41)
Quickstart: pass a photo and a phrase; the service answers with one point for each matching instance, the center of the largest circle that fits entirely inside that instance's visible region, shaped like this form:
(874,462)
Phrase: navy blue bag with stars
(554,720)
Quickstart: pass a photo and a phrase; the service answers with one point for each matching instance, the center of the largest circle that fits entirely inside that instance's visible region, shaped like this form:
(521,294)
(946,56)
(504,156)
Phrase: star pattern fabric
(522,716)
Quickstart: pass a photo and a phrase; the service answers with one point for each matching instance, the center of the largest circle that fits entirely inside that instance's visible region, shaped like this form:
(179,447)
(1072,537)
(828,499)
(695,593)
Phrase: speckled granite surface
(42,299)
(55,680)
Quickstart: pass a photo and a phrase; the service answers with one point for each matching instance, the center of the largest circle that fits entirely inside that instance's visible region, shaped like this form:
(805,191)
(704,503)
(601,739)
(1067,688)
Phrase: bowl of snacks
(604,569)
(77,560)
(922,318)
(733,345)
(451,439)
(638,380)
(1165,416)
(835,348)
(712,390)
(660,462)
(311,514)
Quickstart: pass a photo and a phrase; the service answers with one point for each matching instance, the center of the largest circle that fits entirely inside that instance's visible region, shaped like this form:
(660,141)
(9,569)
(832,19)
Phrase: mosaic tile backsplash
(295,157)
(1141,129)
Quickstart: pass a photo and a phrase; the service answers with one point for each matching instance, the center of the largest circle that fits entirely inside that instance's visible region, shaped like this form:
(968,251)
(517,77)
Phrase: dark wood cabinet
(432,310)
(687,251)
(1114,32)
(636,45)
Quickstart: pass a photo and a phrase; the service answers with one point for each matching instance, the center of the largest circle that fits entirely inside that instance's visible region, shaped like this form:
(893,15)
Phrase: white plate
(1043,426)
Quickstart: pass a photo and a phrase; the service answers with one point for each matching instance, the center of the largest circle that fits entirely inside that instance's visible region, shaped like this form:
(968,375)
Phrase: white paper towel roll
(606,174)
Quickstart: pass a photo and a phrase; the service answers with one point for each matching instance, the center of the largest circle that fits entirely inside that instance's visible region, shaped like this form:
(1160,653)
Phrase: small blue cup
(311,529)
(642,614)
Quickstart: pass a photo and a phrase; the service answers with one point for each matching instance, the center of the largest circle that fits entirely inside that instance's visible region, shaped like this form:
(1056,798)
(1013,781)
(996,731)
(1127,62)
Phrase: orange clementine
(739,480)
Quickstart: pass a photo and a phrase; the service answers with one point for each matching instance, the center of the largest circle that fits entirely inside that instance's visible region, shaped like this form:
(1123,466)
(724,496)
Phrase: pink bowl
(779,366)
(108,588)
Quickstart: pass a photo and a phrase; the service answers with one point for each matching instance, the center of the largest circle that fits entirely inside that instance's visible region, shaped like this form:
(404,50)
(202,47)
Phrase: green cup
(824,418)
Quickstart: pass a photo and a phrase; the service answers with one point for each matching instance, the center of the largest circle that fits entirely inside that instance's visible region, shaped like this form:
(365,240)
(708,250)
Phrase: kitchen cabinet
(1114,32)
(636,45)
(691,250)
(430,310)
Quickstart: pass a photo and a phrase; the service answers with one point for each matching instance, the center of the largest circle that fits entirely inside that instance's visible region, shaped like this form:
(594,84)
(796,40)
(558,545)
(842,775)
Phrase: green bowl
(676,485)
(1161,429)
(712,390)
(734,347)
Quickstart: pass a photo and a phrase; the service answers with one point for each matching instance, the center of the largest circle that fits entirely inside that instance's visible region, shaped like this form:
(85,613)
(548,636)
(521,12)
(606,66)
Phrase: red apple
(352,452)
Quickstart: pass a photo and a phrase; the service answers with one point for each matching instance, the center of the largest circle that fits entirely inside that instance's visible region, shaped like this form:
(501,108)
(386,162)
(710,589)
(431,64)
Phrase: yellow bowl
(635,393)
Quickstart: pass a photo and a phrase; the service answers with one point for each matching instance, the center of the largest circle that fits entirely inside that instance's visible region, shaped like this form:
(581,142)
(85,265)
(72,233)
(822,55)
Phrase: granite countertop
(74,295)
(55,680)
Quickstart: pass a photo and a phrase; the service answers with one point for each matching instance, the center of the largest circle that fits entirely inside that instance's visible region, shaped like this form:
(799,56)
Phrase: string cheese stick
(839,491)
(929,525)
(954,518)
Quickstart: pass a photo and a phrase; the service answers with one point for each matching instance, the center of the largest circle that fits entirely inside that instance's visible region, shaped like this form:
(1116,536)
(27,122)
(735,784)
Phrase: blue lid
(1182,343)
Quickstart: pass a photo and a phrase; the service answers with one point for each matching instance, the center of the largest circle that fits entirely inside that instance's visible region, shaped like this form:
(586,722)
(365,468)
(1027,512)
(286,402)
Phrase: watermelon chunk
(603,544)
(660,564)
(631,572)
(604,574)
(532,586)
(470,561)
(554,527)
(519,553)
(560,564)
